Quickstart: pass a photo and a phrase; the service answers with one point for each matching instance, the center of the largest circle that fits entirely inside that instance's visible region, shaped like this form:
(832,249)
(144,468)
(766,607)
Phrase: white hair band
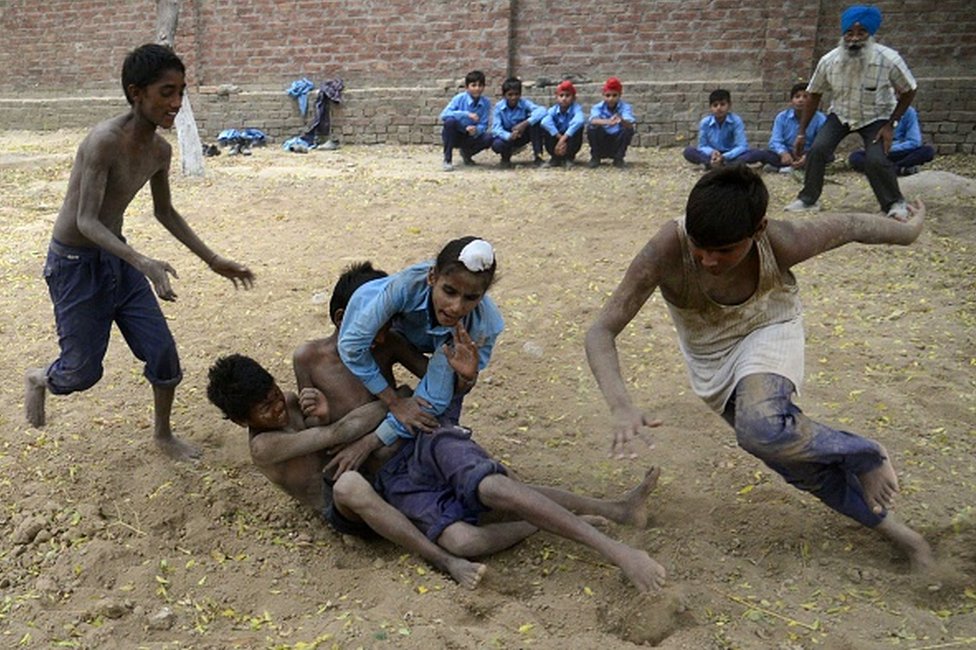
(477,256)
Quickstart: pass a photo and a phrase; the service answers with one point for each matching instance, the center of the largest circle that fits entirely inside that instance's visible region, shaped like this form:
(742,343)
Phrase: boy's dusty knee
(494,490)
(351,489)
(767,429)
(456,539)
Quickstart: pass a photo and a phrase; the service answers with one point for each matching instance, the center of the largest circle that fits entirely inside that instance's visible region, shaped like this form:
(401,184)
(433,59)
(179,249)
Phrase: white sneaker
(448,167)
(786,170)
(799,206)
(899,211)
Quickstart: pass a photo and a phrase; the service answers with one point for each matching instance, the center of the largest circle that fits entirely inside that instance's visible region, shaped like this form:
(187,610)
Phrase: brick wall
(59,59)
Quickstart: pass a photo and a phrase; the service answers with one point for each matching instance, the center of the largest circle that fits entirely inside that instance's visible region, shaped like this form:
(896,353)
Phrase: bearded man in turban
(871,87)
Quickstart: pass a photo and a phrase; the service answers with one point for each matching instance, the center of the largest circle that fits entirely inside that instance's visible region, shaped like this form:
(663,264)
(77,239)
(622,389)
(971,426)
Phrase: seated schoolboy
(293,456)
(465,121)
(907,151)
(515,123)
(563,125)
(721,136)
(611,126)
(780,156)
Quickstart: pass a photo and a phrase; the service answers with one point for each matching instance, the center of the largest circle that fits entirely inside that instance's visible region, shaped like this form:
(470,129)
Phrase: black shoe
(619,164)
(538,161)
(506,164)
(908,171)
(594,163)
(468,160)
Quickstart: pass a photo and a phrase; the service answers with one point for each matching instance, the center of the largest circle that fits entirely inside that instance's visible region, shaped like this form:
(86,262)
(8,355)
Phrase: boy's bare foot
(633,505)
(467,574)
(177,449)
(880,485)
(646,574)
(34,394)
(597,521)
(912,543)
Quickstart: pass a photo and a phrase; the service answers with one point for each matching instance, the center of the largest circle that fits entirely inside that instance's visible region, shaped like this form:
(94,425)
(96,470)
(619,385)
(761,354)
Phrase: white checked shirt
(860,101)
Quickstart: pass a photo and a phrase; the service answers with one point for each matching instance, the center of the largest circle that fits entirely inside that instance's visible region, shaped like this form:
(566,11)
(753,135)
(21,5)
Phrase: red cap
(566,87)
(613,85)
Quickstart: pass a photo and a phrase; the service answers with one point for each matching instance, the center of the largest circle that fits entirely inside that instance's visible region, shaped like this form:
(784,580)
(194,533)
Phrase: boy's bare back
(317,365)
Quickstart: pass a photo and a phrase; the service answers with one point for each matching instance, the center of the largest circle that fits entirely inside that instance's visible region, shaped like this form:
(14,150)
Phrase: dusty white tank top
(724,343)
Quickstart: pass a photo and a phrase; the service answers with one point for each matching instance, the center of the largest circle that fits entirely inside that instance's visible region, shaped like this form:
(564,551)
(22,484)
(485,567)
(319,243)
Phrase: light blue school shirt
(557,122)
(729,137)
(601,111)
(787,125)
(908,133)
(461,105)
(505,118)
(405,299)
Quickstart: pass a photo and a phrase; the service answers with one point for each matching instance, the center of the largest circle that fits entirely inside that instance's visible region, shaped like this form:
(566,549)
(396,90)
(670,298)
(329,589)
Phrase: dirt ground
(106,544)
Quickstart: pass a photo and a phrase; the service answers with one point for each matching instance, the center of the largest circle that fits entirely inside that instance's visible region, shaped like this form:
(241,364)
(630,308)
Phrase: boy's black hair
(236,384)
(725,206)
(475,76)
(355,276)
(512,83)
(797,87)
(448,262)
(719,95)
(146,64)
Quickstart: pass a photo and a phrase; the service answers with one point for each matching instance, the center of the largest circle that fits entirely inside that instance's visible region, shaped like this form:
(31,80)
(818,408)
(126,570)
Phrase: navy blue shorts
(434,479)
(91,289)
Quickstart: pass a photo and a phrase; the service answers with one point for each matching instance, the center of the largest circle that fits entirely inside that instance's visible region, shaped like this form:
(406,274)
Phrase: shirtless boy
(95,278)
(447,510)
(724,272)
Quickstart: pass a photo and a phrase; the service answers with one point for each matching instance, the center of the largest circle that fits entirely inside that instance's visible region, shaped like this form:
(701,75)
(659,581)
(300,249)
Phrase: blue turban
(869,17)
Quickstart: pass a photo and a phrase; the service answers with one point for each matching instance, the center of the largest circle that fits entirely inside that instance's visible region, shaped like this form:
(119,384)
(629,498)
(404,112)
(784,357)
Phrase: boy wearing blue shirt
(611,126)
(785,127)
(563,126)
(515,123)
(465,121)
(721,136)
(907,151)
(425,302)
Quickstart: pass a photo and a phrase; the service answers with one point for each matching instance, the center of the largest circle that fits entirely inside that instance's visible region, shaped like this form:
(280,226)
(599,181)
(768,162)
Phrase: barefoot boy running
(94,277)
(724,272)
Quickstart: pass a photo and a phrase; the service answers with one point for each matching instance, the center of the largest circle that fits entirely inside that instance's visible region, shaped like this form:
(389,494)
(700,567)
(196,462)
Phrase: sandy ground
(106,544)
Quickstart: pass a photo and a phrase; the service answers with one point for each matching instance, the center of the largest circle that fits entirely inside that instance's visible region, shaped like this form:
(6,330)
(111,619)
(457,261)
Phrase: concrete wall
(401,61)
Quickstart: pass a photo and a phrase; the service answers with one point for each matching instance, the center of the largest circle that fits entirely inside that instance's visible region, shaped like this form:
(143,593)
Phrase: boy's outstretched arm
(797,241)
(277,446)
(645,274)
(167,215)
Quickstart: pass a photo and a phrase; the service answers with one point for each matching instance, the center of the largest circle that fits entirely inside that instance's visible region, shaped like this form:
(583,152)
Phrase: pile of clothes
(330,92)
(240,141)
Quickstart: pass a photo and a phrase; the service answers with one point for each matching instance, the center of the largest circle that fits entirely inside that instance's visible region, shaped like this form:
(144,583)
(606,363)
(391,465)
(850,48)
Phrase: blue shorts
(810,456)
(91,289)
(434,479)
